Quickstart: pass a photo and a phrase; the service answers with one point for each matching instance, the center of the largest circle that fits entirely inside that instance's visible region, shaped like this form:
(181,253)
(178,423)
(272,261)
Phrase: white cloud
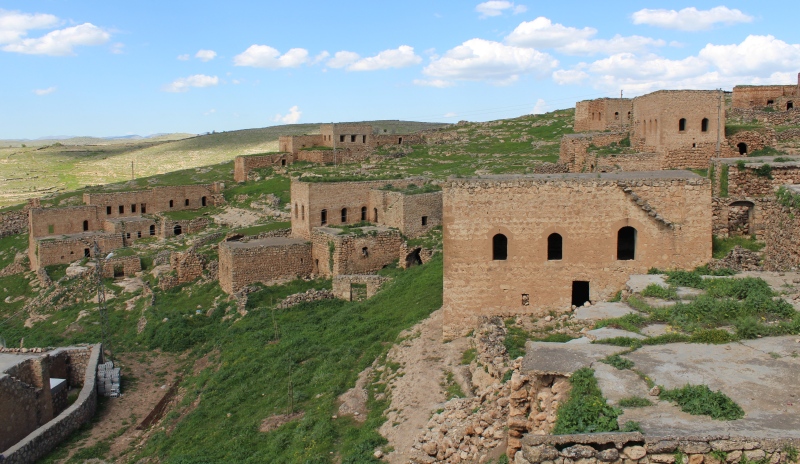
(540,107)
(60,42)
(343,59)
(690,19)
(43,92)
(264,56)
(542,33)
(616,44)
(205,55)
(438,83)
(450,115)
(184,57)
(569,76)
(497,7)
(15,25)
(118,48)
(292,117)
(320,57)
(756,55)
(479,59)
(185,83)
(401,57)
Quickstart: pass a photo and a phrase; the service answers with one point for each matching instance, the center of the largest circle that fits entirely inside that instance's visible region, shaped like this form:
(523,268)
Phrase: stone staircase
(641,203)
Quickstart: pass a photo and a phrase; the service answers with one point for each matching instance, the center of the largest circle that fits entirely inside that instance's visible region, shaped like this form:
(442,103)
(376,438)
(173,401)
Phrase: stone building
(338,252)
(603,114)
(529,244)
(390,203)
(265,260)
(777,97)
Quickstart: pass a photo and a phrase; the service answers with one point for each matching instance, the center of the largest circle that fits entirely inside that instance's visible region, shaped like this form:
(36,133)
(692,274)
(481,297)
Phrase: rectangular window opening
(133,208)
(424,220)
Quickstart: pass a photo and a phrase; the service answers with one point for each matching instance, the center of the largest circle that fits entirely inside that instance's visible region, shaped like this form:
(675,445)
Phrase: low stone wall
(168,226)
(14,222)
(755,140)
(788,135)
(775,118)
(782,237)
(41,441)
(632,448)
(343,285)
(129,265)
(243,164)
(345,155)
(628,162)
(575,148)
(188,266)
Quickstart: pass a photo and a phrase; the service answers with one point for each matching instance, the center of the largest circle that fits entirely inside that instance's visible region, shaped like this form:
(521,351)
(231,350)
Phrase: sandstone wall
(398,139)
(668,209)
(45,252)
(45,222)
(657,120)
(753,140)
(187,226)
(131,229)
(128,265)
(629,162)
(353,254)
(761,96)
(575,148)
(42,440)
(774,118)
(344,155)
(155,200)
(293,143)
(264,260)
(243,164)
(13,222)
(406,212)
(343,285)
(603,114)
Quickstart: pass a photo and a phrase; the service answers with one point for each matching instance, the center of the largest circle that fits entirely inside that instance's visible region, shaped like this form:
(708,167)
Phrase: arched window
(682,124)
(203,201)
(742,148)
(152,230)
(323,217)
(626,244)
(85,226)
(177,230)
(344,215)
(555,250)
(499,247)
(616,115)
(704,125)
(363,213)
(296,211)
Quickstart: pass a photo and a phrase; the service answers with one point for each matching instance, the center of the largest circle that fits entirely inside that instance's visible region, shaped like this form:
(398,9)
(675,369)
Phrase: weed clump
(586,411)
(618,361)
(635,402)
(699,400)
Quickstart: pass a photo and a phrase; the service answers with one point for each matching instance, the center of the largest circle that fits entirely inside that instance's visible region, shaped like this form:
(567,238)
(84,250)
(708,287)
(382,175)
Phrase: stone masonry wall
(42,440)
(575,148)
(635,448)
(264,260)
(406,211)
(669,211)
(187,226)
(129,265)
(18,408)
(14,222)
(243,164)
(782,237)
(45,252)
(603,114)
(759,96)
(342,285)
(629,162)
(657,118)
(345,254)
(294,143)
(155,200)
(44,222)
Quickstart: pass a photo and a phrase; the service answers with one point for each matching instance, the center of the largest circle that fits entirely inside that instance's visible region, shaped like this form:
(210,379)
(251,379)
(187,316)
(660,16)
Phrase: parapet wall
(413,214)
(126,266)
(635,448)
(155,200)
(762,96)
(42,440)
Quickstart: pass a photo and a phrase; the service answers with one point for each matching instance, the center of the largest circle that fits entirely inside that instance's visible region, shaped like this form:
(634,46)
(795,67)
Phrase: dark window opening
(580,293)
(177,230)
(119,271)
(152,230)
(171,203)
(139,234)
(186,202)
(400,140)
(352,138)
(554,247)
(86,253)
(365,252)
(770,102)
(341,138)
(363,213)
(344,215)
(616,115)
(424,220)
(144,208)
(626,244)
(413,258)
(363,139)
(283,162)
(704,125)
(694,145)
(526,299)
(499,247)
(629,115)
(296,211)
(742,148)
(789,105)
(121,209)
(682,125)
(323,217)
(108,210)
(133,208)
(376,214)
(303,212)
(128,235)
(203,201)
(85,226)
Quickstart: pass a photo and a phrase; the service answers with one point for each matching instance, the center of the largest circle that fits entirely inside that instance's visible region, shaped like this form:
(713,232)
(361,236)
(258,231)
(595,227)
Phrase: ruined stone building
(338,228)
(529,244)
(63,235)
(603,114)
(775,97)
(352,143)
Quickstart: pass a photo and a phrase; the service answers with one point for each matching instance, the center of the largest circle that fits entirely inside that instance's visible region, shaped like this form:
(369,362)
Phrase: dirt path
(146,377)
(237,217)
(418,393)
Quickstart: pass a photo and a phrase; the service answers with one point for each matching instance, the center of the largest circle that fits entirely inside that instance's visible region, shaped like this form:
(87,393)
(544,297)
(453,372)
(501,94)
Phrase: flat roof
(79,235)
(265,242)
(612,176)
(8,360)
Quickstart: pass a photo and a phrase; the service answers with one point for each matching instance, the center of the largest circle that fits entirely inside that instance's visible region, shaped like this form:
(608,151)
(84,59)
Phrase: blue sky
(113,68)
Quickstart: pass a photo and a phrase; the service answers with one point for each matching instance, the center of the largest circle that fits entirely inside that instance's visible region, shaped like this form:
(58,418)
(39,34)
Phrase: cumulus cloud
(690,19)
(184,57)
(438,83)
(479,59)
(498,7)
(540,107)
(400,57)
(264,56)
(15,25)
(183,84)
(450,115)
(292,117)
(118,48)
(321,57)
(60,42)
(205,55)
(43,92)
(570,76)
(543,33)
(757,54)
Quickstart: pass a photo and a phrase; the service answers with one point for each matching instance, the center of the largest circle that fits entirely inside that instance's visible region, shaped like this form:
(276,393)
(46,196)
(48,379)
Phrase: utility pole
(101,298)
(620,93)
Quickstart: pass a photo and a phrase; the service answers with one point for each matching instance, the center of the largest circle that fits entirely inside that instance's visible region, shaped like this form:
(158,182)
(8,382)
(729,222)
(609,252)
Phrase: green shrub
(586,411)
(712,336)
(722,246)
(555,338)
(685,279)
(765,170)
(515,341)
(699,400)
(635,402)
(631,426)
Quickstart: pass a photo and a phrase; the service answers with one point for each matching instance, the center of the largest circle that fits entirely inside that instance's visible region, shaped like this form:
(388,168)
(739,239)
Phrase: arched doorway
(177,230)
(413,258)
(742,148)
(740,219)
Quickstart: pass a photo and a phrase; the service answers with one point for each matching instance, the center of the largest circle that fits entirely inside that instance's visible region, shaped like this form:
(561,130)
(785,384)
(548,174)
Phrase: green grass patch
(767,151)
(56,271)
(723,181)
(586,411)
(274,184)
(699,400)
(657,291)
(634,402)
(722,246)
(733,129)
(10,246)
(515,341)
(618,361)
(631,322)
(468,356)
(452,388)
